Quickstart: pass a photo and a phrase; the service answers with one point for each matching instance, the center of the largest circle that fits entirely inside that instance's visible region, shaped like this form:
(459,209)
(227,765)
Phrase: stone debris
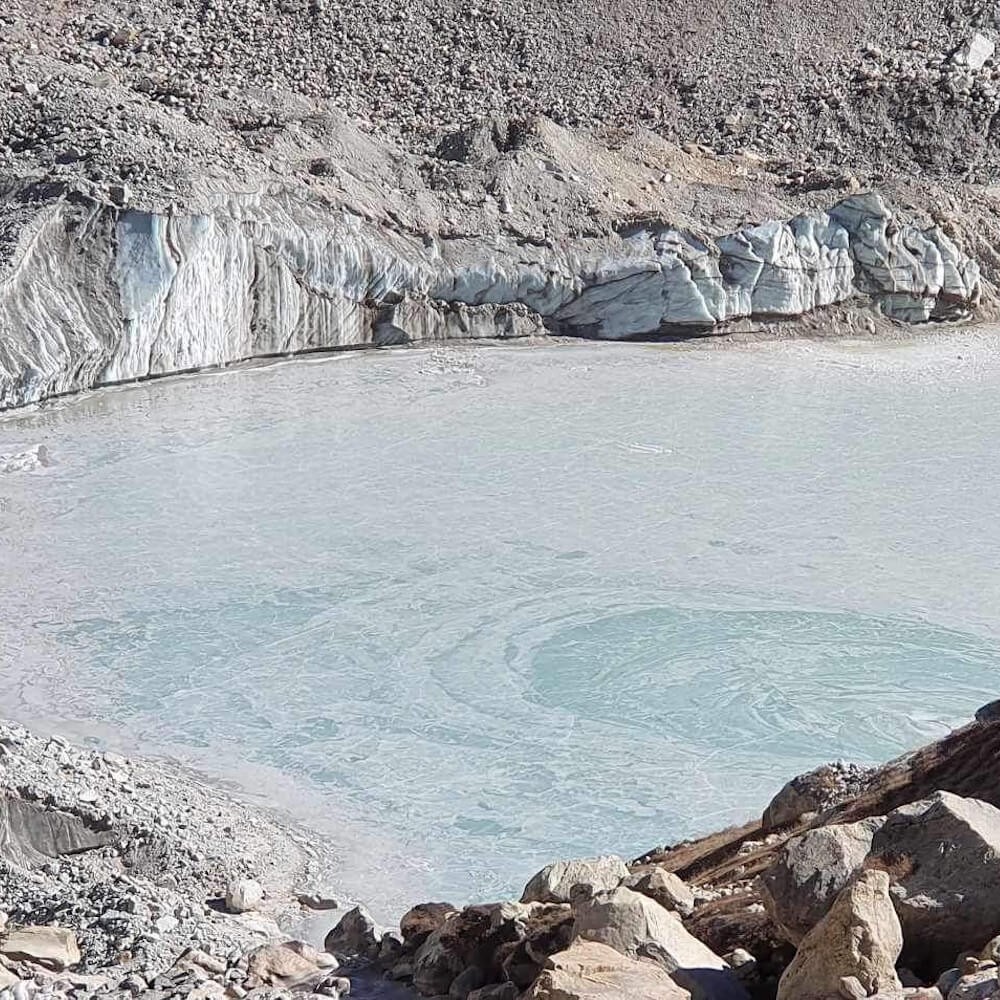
(893,907)
(112,873)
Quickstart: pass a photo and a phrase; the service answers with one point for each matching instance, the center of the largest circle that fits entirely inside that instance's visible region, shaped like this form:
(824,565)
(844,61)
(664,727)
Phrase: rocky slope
(855,884)
(112,869)
(191,184)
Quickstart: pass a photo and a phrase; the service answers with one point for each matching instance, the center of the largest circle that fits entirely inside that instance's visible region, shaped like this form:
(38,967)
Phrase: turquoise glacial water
(468,610)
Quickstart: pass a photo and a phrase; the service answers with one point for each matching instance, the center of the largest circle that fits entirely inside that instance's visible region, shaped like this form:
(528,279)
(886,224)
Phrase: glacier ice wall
(93,295)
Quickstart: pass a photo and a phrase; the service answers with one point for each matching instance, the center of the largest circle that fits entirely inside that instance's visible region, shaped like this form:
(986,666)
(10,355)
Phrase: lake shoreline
(164,886)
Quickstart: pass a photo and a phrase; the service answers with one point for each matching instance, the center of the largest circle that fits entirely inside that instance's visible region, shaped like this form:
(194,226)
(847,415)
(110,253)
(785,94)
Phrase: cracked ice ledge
(98,296)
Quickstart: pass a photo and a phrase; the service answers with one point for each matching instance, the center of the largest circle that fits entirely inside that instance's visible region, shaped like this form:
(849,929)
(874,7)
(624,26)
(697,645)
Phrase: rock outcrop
(93,295)
(860,937)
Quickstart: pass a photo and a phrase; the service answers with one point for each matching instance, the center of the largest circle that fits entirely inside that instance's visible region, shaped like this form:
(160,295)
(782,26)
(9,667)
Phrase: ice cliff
(91,295)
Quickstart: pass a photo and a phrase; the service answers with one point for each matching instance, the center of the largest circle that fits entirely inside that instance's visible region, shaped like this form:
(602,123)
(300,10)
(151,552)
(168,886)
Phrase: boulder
(539,929)
(419,922)
(944,857)
(637,926)
(588,970)
(976,986)
(860,937)
(284,966)
(555,883)
(356,935)
(814,792)
(32,834)
(503,941)
(53,948)
(244,895)
(802,883)
(465,982)
(445,954)
(668,889)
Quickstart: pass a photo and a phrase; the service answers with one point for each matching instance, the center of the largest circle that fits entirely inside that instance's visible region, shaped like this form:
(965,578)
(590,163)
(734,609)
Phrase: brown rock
(859,938)
(669,890)
(418,923)
(588,970)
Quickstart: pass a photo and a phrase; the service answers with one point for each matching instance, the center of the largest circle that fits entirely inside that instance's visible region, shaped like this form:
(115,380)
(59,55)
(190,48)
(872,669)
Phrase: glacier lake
(468,610)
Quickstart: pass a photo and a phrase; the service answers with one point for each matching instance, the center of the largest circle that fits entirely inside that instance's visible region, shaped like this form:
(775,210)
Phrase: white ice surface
(467,611)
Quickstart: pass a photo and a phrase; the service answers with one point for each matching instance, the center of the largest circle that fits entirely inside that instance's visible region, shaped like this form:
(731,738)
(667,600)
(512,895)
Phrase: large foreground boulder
(557,883)
(288,966)
(800,887)
(860,937)
(637,926)
(944,856)
(591,971)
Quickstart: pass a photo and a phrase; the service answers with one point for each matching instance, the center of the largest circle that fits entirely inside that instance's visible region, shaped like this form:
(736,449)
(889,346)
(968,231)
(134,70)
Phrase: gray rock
(975,51)
(814,792)
(555,882)
(811,869)
(976,986)
(944,853)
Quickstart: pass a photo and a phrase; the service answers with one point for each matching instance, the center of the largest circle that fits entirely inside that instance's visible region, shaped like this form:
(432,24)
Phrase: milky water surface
(466,611)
